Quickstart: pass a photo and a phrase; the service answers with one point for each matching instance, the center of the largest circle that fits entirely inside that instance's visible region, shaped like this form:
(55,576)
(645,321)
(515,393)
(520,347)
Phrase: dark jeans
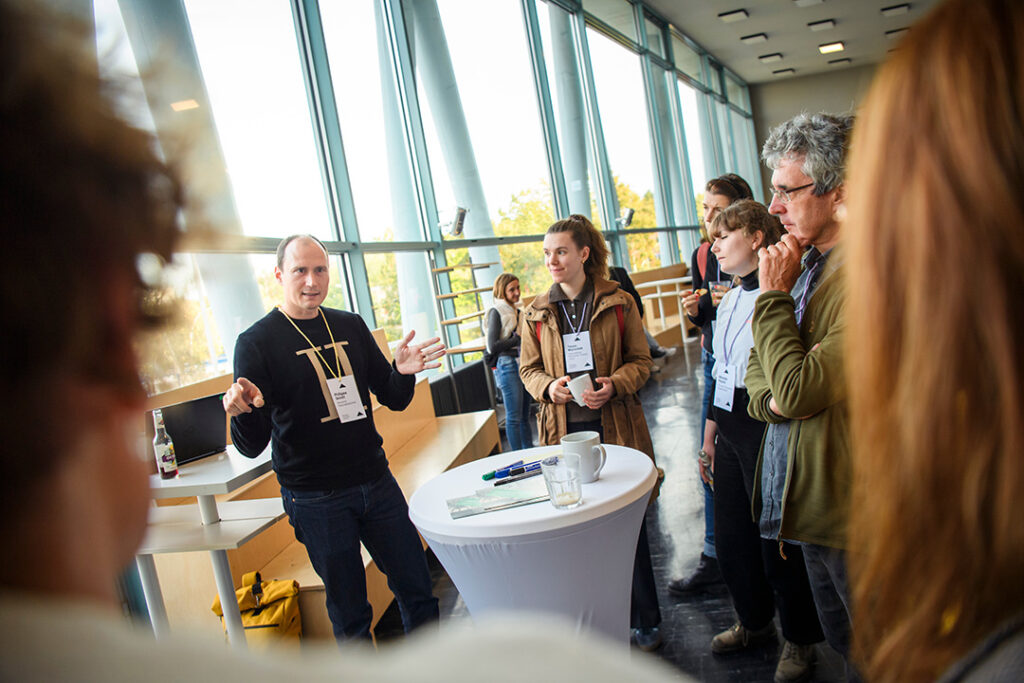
(332,523)
(758,578)
(709,495)
(644,611)
(517,403)
(826,569)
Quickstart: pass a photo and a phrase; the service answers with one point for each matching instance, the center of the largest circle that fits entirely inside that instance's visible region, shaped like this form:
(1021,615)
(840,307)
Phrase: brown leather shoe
(738,637)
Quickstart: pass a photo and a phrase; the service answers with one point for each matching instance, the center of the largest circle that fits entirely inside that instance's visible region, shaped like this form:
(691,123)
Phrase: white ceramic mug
(588,446)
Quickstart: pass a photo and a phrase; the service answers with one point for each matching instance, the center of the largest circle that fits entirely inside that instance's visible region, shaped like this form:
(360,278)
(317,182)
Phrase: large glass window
(737,93)
(686,58)
(620,97)
(251,67)
(399,309)
(371,124)
(747,155)
(616,13)
(655,37)
(494,89)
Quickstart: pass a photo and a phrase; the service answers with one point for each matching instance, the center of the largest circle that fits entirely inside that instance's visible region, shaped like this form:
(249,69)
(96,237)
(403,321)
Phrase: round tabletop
(627,476)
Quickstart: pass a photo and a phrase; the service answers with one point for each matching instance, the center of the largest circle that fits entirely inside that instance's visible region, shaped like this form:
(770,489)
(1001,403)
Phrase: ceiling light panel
(783,72)
(895,10)
(754,39)
(829,48)
(839,62)
(896,33)
(733,16)
(807,3)
(768,59)
(822,25)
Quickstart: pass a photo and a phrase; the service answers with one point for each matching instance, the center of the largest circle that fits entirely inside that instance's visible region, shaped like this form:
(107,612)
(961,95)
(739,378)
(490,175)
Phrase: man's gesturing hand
(412,359)
(240,396)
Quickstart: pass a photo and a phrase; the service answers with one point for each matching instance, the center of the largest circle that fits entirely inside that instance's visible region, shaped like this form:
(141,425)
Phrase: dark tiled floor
(676,526)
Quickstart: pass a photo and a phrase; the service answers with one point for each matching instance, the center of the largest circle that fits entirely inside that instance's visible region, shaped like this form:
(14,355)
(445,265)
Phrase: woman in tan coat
(585,324)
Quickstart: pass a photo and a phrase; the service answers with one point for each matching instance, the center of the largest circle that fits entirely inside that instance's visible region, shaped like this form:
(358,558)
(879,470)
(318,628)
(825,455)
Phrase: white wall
(775,102)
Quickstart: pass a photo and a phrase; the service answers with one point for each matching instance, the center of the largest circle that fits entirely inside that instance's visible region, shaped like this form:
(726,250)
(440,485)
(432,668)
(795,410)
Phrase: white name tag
(724,386)
(345,394)
(578,356)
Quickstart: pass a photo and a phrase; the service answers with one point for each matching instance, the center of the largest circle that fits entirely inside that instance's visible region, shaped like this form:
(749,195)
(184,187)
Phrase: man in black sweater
(303,377)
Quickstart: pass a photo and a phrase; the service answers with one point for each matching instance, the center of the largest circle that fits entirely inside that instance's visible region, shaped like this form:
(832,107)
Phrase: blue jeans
(517,403)
(709,495)
(332,523)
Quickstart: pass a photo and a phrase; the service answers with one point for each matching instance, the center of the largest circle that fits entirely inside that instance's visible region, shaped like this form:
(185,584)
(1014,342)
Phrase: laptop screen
(198,427)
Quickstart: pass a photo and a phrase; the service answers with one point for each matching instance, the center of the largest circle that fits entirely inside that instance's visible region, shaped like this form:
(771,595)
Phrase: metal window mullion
(323,106)
(609,202)
(416,150)
(547,111)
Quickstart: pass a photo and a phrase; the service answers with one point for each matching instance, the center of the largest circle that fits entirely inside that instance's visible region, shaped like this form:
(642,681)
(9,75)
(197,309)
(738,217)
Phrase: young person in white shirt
(761,575)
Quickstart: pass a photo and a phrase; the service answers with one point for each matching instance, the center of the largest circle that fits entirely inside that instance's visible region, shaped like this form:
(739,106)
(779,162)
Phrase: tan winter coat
(626,359)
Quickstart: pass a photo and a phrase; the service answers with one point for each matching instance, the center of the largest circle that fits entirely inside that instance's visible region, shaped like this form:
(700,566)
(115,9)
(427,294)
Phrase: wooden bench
(419,446)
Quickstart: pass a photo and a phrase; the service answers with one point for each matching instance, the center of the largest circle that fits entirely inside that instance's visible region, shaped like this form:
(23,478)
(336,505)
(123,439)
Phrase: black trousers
(758,577)
(644,611)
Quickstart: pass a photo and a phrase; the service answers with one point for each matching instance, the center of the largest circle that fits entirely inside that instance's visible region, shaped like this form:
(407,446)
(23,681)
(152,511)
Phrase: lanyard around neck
(337,360)
(727,347)
(579,326)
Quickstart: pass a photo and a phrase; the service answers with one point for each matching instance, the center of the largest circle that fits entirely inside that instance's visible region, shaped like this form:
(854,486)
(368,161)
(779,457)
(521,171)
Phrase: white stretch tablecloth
(577,563)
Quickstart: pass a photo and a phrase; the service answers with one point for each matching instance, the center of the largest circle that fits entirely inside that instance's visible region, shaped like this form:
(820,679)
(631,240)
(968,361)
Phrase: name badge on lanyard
(724,387)
(345,395)
(576,344)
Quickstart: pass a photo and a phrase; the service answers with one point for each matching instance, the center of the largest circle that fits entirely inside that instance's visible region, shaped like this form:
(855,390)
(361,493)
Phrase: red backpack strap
(622,321)
(702,259)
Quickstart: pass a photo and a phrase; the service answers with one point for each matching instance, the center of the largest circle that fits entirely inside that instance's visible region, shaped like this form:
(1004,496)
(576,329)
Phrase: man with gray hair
(795,373)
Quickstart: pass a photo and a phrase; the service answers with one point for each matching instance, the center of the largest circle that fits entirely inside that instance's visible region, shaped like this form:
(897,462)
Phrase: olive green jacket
(802,368)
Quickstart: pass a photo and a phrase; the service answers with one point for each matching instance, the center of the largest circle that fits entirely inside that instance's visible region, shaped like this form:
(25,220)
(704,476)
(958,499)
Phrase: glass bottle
(163,448)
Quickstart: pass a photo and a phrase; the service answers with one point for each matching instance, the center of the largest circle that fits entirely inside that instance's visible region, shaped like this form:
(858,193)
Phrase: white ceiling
(858,23)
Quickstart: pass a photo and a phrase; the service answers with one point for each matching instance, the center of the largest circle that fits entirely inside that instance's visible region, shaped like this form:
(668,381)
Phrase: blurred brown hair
(731,186)
(82,195)
(503,281)
(584,234)
(750,218)
(937,377)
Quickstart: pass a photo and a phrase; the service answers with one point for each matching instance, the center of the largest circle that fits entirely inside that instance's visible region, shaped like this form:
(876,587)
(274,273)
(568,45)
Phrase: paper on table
(492,498)
(578,385)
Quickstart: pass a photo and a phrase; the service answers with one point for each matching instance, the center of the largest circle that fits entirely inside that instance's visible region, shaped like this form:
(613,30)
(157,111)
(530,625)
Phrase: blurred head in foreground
(936,235)
(82,195)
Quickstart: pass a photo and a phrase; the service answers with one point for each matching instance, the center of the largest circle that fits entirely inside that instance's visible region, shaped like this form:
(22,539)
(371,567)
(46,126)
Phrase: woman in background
(583,303)
(936,215)
(718,194)
(503,357)
(761,575)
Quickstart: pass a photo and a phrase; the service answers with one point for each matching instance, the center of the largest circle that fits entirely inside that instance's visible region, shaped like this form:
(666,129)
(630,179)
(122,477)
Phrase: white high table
(205,526)
(577,563)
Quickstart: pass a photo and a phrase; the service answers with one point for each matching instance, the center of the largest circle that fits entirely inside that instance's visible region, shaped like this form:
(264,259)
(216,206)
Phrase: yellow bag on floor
(270,611)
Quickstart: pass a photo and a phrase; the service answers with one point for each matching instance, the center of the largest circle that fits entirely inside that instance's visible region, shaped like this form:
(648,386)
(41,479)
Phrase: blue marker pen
(491,475)
(516,469)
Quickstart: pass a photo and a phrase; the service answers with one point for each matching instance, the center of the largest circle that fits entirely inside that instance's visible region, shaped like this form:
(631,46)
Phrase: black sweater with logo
(312,449)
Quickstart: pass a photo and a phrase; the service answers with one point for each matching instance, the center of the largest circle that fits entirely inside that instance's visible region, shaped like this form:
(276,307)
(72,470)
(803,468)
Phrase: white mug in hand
(588,446)
(578,385)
